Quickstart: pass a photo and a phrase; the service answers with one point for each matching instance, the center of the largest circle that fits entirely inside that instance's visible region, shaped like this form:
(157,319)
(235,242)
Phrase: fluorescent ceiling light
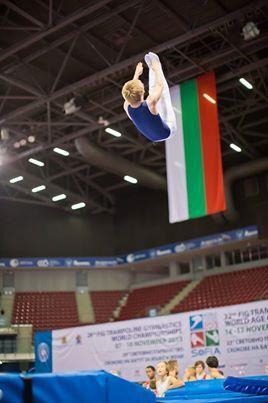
(17,179)
(59,197)
(209,98)
(246,83)
(38,188)
(113,132)
(78,205)
(235,147)
(61,151)
(130,179)
(36,162)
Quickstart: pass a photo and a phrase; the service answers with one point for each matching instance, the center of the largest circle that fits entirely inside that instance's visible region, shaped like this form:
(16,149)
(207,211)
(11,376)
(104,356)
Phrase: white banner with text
(237,335)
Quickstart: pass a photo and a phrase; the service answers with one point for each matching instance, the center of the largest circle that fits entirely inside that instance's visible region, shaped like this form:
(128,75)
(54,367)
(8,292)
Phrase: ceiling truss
(39,73)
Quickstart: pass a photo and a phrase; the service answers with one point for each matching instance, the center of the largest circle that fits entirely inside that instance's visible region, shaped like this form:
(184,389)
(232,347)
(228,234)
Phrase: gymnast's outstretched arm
(138,71)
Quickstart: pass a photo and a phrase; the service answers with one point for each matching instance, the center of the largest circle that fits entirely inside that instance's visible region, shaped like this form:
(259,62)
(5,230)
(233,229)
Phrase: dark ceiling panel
(45,61)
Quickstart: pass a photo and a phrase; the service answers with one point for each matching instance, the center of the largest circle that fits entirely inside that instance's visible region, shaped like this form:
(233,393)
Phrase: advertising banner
(147,254)
(237,335)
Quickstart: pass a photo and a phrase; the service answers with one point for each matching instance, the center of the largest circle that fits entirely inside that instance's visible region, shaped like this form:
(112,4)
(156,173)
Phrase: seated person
(200,371)
(189,374)
(151,382)
(213,364)
(173,368)
(165,381)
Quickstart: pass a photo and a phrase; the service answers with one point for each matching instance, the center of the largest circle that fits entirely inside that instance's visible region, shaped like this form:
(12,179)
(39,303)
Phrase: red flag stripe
(210,136)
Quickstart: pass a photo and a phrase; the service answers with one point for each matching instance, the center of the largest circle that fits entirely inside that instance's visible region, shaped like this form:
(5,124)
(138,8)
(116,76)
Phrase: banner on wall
(174,248)
(237,335)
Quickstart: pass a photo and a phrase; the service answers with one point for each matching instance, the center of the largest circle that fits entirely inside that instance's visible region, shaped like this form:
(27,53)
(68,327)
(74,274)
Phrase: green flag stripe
(193,149)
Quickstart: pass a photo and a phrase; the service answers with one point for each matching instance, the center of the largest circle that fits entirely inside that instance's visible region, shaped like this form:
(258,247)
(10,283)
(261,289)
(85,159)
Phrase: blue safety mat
(221,399)
(213,391)
(122,391)
(198,388)
(85,387)
(11,386)
(247,385)
(101,387)
(80,387)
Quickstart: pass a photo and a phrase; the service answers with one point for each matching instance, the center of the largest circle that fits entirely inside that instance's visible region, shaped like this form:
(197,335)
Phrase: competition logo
(130,258)
(204,331)
(14,262)
(43,263)
(181,247)
(43,352)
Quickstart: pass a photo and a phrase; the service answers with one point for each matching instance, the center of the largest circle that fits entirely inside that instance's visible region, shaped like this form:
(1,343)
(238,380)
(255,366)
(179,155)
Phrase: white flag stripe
(175,162)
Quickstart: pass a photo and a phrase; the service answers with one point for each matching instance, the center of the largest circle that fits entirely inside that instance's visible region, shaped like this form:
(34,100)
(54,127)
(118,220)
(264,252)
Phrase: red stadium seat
(226,289)
(142,299)
(45,310)
(104,303)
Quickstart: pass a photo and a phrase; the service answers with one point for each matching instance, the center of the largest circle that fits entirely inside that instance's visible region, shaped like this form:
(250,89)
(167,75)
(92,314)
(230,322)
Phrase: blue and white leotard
(150,125)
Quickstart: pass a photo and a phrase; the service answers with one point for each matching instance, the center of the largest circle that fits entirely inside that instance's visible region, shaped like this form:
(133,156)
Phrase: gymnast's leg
(164,105)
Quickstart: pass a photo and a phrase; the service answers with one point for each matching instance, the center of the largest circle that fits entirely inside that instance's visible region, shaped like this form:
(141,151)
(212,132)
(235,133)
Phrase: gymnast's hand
(139,70)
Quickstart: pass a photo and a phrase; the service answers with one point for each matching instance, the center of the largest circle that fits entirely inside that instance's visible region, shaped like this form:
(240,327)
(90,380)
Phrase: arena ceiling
(55,50)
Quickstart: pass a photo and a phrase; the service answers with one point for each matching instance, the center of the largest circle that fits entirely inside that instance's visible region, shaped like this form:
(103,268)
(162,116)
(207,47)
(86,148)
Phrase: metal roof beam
(82,12)
(191,70)
(22,13)
(69,36)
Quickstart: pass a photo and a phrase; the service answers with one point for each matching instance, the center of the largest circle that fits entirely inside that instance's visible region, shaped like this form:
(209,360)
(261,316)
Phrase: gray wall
(27,230)
(65,280)
(141,221)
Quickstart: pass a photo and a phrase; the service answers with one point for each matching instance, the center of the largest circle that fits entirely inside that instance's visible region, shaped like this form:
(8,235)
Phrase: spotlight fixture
(113,132)
(36,162)
(209,98)
(38,188)
(61,151)
(130,179)
(23,142)
(250,31)
(235,148)
(78,206)
(59,197)
(17,144)
(245,83)
(31,139)
(17,179)
(102,121)
(74,105)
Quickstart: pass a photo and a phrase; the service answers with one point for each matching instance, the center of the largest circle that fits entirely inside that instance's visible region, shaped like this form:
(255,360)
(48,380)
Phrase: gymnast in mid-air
(154,116)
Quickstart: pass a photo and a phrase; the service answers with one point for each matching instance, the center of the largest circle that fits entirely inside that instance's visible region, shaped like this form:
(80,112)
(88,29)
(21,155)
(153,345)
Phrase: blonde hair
(133,91)
(173,365)
(163,362)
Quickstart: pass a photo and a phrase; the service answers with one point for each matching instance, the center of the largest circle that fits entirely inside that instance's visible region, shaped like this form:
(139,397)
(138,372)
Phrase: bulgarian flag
(193,152)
